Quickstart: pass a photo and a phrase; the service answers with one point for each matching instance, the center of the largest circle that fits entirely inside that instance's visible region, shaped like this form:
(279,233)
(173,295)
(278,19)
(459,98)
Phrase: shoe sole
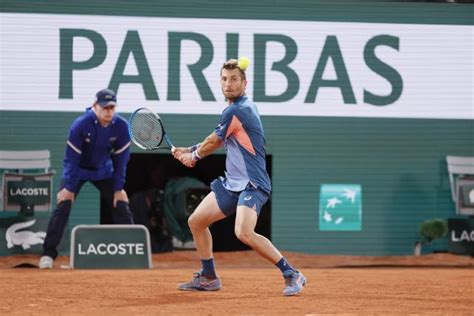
(299,291)
(197,289)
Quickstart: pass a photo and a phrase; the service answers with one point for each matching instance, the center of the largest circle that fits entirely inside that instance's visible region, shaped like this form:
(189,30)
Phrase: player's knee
(194,223)
(244,235)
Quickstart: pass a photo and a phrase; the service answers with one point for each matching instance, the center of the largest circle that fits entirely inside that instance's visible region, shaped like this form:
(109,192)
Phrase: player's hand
(187,159)
(120,196)
(64,195)
(177,151)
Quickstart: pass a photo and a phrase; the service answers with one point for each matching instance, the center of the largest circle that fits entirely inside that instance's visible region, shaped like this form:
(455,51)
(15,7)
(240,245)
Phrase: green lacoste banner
(23,235)
(461,236)
(29,191)
(340,207)
(110,247)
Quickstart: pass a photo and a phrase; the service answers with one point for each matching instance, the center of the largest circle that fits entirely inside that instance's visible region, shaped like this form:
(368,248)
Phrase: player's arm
(176,151)
(226,127)
(209,145)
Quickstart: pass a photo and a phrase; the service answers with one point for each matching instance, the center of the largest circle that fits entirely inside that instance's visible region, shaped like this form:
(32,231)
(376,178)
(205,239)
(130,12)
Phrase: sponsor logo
(110,246)
(340,207)
(29,192)
(248,198)
(374,67)
(25,239)
(464,236)
(102,249)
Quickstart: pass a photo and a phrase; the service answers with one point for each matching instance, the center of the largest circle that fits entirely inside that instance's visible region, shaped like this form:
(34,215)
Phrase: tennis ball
(243,63)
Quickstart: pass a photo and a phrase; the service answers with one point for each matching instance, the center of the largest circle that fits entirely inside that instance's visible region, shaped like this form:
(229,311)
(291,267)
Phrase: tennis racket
(147,131)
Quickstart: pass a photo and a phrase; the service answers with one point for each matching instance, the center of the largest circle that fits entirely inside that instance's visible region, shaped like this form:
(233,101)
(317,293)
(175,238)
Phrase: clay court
(429,284)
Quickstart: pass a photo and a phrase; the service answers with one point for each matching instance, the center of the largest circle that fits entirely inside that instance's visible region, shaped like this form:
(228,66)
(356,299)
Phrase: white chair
(18,165)
(25,160)
(461,170)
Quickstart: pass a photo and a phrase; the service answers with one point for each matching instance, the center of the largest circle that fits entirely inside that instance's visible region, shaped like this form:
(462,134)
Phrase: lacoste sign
(461,235)
(28,191)
(110,247)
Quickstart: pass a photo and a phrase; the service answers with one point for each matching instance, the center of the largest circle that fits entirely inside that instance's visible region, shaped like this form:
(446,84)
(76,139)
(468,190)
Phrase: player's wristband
(195,156)
(194,147)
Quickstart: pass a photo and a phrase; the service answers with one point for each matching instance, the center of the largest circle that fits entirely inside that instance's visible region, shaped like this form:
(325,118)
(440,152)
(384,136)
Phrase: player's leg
(245,222)
(249,206)
(120,214)
(206,213)
(210,210)
(56,226)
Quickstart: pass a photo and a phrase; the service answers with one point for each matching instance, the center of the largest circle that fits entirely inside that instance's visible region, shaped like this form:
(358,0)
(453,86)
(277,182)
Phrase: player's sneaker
(46,262)
(201,283)
(294,282)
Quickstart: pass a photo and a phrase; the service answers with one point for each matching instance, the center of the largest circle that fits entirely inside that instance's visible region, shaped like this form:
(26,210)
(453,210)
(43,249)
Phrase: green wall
(298,10)
(400,164)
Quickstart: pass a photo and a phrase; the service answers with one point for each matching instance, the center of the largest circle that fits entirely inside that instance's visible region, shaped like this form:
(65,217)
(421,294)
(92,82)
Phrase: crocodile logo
(26,239)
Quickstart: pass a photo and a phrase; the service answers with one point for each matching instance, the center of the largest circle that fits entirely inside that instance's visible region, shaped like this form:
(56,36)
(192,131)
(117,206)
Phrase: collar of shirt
(240,99)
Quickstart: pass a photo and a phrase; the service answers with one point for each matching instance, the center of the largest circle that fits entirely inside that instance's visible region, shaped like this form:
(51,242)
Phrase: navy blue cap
(106,97)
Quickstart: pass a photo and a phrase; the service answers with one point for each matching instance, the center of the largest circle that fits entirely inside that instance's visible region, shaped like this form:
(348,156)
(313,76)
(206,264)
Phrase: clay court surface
(429,284)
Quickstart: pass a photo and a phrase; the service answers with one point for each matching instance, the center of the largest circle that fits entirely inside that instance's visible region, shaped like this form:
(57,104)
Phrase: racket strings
(146,130)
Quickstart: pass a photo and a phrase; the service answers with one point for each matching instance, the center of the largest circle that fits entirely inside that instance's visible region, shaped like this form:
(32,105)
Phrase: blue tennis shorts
(228,201)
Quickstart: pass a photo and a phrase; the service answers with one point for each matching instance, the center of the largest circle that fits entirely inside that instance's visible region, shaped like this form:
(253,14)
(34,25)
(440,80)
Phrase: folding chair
(26,173)
(461,174)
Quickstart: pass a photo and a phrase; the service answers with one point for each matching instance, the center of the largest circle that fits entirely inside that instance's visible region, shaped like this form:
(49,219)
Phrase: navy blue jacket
(94,152)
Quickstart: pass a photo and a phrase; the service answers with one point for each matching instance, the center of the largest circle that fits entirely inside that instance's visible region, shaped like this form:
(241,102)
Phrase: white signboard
(299,68)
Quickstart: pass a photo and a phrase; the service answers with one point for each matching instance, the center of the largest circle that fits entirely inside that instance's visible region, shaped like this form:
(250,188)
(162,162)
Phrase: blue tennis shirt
(94,152)
(241,131)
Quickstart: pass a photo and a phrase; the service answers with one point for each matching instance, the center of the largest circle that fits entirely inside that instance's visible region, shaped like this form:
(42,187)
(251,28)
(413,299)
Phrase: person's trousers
(60,216)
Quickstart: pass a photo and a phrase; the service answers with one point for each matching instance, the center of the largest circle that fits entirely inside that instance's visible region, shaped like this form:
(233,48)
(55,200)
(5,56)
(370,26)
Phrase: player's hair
(232,64)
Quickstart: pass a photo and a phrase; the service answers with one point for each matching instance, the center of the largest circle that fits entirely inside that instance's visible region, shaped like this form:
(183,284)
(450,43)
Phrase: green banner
(28,191)
(110,247)
(340,207)
(461,236)
(22,235)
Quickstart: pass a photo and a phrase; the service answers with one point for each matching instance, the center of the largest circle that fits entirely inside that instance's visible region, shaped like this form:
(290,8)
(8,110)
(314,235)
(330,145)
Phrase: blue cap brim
(104,104)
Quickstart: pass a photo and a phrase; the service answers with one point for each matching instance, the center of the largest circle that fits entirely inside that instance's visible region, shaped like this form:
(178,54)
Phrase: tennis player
(244,189)
(97,151)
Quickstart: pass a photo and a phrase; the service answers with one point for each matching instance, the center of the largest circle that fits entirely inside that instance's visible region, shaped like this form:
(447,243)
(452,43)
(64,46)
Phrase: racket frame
(165,137)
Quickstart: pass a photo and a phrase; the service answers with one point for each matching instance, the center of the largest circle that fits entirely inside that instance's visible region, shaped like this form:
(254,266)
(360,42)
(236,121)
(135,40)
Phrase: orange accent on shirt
(235,128)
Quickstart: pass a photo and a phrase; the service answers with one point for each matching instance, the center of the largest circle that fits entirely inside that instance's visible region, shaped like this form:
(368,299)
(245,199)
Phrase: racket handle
(169,143)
